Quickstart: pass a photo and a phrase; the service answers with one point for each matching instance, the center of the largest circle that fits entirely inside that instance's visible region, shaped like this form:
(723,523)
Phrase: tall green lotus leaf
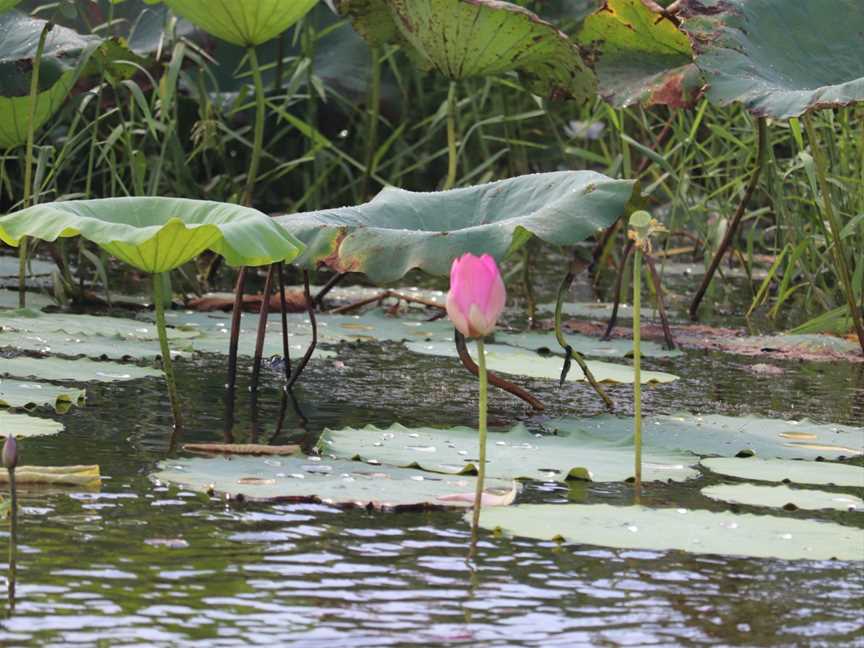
(158,234)
(777,57)
(242,22)
(399,230)
(67,56)
(640,56)
(469,38)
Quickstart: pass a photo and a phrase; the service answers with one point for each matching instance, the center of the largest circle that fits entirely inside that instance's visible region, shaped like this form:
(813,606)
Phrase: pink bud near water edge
(477,295)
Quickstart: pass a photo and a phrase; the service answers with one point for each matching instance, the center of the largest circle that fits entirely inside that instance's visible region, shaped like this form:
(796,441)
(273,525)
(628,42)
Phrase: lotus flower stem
(286,352)
(10,461)
(374,109)
(637,365)
(838,249)
(497,381)
(28,161)
(167,364)
(262,329)
(761,146)
(661,307)
(529,288)
(310,311)
(481,425)
(452,153)
(569,352)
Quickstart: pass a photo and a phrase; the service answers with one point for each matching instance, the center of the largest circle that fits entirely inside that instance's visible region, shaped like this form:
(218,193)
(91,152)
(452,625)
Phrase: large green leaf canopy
(400,230)
(780,58)
(158,234)
(469,38)
(641,56)
(242,22)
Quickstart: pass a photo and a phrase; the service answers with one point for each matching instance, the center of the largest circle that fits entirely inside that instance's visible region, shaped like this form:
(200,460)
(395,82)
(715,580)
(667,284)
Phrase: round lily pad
(399,230)
(586,345)
(92,346)
(521,362)
(24,425)
(706,532)
(714,434)
(86,325)
(778,57)
(783,497)
(346,483)
(517,454)
(795,471)
(82,370)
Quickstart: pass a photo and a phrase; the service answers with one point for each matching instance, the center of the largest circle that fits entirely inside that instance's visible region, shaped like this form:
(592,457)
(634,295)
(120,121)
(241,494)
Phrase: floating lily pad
(82,370)
(521,362)
(802,342)
(747,52)
(18,394)
(714,434)
(585,344)
(69,476)
(249,22)
(58,343)
(517,454)
(86,325)
(638,527)
(24,425)
(782,497)
(346,483)
(795,471)
(9,268)
(297,344)
(597,310)
(641,56)
(9,299)
(478,38)
(157,234)
(400,230)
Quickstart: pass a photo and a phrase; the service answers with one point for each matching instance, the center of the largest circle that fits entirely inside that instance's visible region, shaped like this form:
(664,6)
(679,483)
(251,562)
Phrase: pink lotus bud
(477,295)
(10,453)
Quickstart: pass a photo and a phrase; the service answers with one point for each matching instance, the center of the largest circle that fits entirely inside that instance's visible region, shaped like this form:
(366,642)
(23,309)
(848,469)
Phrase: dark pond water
(142,564)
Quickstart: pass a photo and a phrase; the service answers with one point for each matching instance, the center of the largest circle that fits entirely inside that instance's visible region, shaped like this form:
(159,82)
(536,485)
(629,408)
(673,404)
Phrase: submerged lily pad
(795,471)
(714,434)
(521,362)
(346,483)
(641,56)
(517,454)
(779,58)
(244,23)
(639,527)
(157,234)
(17,394)
(400,230)
(782,497)
(82,370)
(24,425)
(585,344)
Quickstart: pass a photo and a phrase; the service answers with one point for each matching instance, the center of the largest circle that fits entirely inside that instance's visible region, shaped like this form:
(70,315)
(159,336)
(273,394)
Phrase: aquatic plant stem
(310,311)
(637,365)
(619,280)
(569,352)
(452,153)
(28,161)
(481,426)
(497,381)
(761,147)
(235,331)
(839,251)
(373,111)
(263,312)
(286,352)
(13,538)
(167,364)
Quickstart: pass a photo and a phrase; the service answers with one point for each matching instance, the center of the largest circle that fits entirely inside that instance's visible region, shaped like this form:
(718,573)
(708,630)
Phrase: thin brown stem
(262,328)
(310,310)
